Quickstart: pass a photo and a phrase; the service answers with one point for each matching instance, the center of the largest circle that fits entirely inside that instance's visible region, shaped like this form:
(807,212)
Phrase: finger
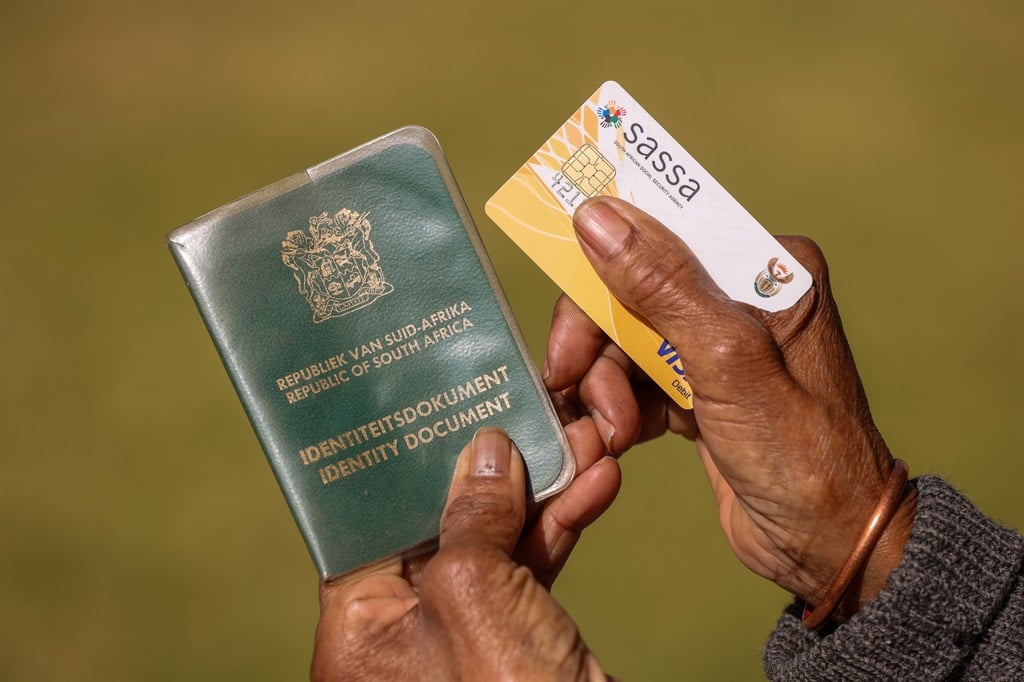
(363,583)
(567,405)
(360,618)
(487,498)
(573,343)
(544,545)
(370,603)
(608,394)
(547,544)
(585,442)
(811,335)
(412,568)
(724,345)
(587,449)
(660,414)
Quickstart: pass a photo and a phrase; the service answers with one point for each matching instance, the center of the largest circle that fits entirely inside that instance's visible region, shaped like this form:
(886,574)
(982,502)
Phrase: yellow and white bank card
(612,147)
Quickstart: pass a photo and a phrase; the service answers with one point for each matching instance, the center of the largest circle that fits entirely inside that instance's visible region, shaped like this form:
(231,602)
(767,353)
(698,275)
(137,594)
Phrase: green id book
(368,339)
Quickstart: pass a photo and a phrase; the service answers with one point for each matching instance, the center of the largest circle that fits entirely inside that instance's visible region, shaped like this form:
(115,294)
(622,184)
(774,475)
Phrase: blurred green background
(142,536)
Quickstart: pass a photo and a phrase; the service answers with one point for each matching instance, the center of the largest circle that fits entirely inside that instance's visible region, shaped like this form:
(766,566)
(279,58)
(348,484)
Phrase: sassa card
(611,146)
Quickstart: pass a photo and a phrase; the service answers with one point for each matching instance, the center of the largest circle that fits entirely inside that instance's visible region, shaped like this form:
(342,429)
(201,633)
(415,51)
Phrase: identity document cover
(364,330)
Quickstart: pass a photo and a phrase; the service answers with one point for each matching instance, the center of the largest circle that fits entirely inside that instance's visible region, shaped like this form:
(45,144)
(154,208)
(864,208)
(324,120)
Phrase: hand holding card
(612,147)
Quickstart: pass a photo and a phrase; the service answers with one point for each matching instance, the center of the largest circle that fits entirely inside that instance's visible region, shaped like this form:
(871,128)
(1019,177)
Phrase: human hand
(779,417)
(479,608)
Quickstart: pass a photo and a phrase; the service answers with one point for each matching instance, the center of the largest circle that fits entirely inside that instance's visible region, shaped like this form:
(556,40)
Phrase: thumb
(487,499)
(653,273)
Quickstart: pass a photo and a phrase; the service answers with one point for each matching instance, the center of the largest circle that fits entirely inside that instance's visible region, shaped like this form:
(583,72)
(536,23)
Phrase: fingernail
(492,452)
(604,427)
(601,227)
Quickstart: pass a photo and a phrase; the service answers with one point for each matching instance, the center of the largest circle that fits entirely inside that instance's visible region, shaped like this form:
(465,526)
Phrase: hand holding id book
(365,332)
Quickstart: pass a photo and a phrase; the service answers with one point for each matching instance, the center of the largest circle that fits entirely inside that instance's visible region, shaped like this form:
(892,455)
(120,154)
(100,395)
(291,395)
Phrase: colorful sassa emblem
(611,115)
(770,281)
(335,265)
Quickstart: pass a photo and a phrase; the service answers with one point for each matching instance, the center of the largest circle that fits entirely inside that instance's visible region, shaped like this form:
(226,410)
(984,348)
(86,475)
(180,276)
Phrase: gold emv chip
(589,170)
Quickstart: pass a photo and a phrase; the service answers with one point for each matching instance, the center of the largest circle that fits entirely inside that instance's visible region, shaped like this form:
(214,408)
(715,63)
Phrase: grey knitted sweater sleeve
(953,609)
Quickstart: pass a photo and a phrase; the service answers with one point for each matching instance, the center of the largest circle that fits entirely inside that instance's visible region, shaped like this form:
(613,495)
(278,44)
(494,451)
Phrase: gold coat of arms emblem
(335,264)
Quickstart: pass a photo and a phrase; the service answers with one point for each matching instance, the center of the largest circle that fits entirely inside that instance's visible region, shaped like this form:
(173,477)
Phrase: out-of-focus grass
(141,534)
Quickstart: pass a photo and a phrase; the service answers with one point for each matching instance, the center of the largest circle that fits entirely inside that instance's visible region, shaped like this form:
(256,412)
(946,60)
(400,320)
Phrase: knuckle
(459,575)
(730,349)
(809,254)
(816,309)
(736,351)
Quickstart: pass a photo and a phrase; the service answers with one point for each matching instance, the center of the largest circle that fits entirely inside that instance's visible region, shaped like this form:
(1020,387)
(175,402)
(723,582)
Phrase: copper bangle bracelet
(815,617)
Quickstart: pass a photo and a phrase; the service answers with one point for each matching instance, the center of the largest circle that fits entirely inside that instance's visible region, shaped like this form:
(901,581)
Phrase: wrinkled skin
(779,416)
(478,609)
(779,420)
